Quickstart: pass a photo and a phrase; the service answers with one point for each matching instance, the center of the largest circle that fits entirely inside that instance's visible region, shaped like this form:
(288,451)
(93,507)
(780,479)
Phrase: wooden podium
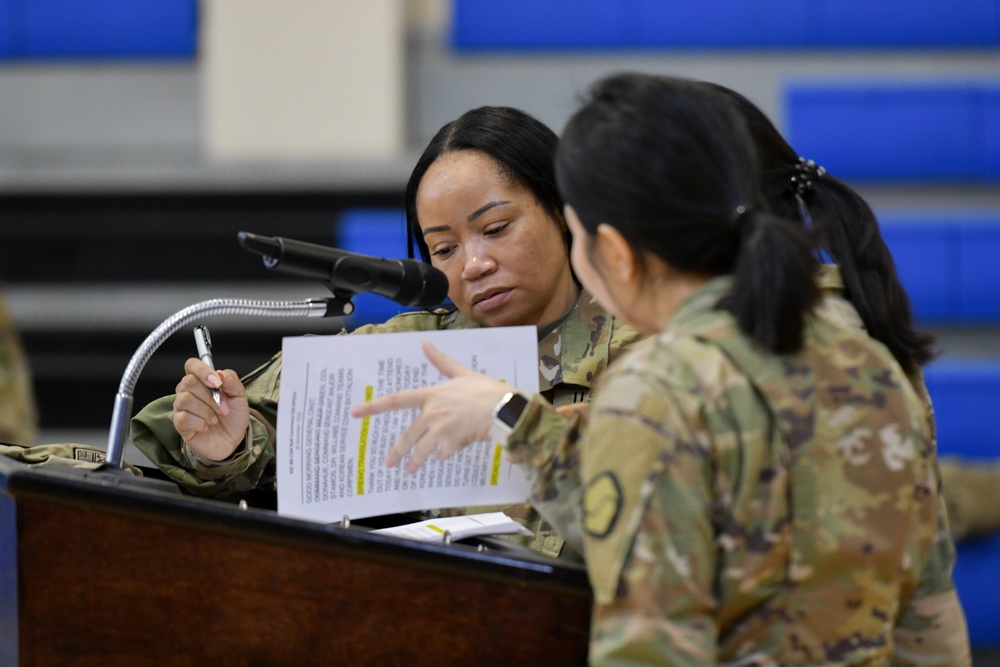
(110,569)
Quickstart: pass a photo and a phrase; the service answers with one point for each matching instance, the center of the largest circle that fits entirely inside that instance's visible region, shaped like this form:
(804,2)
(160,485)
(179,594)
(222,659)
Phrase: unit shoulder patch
(602,504)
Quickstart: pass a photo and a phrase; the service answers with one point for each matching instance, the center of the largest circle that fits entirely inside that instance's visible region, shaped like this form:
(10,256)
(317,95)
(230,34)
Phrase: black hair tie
(806,171)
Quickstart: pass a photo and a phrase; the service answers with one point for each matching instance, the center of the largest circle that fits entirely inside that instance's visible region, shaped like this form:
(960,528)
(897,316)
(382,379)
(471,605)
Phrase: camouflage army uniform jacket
(570,357)
(740,508)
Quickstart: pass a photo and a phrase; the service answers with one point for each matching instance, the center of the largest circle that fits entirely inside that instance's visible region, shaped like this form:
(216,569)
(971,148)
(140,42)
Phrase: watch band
(506,414)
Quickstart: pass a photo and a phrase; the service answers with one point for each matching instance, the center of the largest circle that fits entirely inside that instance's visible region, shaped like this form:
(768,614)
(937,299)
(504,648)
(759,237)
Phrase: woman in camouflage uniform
(864,274)
(482,206)
(755,484)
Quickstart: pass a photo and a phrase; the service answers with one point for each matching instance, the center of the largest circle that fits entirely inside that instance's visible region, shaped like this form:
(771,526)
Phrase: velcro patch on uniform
(602,504)
(88,455)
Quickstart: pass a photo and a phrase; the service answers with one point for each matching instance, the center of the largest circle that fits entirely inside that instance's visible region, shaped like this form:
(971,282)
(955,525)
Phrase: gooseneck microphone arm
(329,307)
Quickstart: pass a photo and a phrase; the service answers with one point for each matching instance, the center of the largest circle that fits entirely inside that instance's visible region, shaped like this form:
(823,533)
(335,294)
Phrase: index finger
(448,366)
(411,398)
(202,371)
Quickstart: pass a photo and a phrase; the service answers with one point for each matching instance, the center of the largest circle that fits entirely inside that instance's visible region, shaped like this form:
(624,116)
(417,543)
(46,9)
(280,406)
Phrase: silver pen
(204,343)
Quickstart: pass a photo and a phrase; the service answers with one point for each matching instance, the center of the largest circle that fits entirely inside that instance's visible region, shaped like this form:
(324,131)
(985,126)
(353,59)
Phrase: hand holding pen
(211,412)
(203,341)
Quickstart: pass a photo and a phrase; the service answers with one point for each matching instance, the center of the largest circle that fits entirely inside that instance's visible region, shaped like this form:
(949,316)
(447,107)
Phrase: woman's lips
(492,300)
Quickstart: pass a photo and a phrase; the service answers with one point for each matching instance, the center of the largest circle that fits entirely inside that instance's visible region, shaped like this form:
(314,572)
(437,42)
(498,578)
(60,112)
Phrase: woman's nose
(477,263)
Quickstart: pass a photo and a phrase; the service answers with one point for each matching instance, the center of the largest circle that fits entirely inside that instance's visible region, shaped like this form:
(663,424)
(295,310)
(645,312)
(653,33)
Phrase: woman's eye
(492,231)
(443,252)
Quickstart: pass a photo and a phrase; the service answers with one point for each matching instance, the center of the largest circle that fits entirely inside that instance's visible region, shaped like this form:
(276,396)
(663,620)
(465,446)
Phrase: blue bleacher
(948,263)
(977,578)
(524,24)
(105,29)
(6,31)
(991,132)
(942,132)
(917,23)
(485,25)
(718,24)
(966,395)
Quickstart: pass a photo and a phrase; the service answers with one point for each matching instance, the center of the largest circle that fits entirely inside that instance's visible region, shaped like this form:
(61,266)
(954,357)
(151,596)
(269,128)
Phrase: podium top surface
(116,492)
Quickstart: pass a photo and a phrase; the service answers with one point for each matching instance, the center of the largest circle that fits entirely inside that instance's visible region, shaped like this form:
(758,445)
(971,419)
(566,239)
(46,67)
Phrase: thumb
(448,366)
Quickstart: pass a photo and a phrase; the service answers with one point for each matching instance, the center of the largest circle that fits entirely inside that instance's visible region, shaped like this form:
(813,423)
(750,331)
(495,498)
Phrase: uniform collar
(706,299)
(577,350)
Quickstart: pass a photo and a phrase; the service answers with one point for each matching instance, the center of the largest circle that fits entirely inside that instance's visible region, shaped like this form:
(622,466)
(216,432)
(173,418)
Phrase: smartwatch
(506,414)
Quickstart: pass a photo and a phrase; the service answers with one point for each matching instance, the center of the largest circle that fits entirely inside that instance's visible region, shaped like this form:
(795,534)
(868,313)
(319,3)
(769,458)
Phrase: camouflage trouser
(971,491)
(68,455)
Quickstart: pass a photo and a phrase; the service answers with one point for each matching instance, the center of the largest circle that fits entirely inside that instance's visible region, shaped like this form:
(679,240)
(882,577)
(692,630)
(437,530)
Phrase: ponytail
(845,228)
(849,231)
(774,281)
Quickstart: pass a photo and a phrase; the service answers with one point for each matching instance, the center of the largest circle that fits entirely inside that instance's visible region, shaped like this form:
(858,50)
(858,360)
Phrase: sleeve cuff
(523,445)
(236,462)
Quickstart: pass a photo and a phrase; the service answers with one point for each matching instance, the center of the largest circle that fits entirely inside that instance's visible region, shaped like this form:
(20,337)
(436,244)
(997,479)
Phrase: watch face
(512,409)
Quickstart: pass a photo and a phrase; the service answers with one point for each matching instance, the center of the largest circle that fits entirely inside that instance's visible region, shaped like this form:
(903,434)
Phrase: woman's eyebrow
(472,216)
(485,207)
(431,230)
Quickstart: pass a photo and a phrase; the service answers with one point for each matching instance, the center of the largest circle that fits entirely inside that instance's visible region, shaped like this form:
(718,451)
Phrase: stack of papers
(458,527)
(331,465)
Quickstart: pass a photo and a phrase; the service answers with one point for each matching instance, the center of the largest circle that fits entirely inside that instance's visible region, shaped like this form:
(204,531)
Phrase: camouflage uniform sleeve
(250,467)
(931,630)
(648,533)
(544,444)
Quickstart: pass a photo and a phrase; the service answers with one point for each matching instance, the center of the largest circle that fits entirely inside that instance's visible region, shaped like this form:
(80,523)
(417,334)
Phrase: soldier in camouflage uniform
(18,416)
(754,485)
(848,232)
(487,212)
(707,545)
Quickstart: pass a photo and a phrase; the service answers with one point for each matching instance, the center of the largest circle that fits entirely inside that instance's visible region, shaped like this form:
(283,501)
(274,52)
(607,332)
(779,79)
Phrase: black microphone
(405,281)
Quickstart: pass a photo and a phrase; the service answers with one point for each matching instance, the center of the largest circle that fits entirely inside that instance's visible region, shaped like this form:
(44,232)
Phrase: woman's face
(503,253)
(586,272)
(643,294)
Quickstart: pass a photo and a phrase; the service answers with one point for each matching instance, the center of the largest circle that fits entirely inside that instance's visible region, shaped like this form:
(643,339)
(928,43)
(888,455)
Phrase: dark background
(160,242)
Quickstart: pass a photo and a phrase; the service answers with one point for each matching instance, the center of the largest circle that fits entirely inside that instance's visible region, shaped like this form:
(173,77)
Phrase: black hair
(847,229)
(522,146)
(669,163)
